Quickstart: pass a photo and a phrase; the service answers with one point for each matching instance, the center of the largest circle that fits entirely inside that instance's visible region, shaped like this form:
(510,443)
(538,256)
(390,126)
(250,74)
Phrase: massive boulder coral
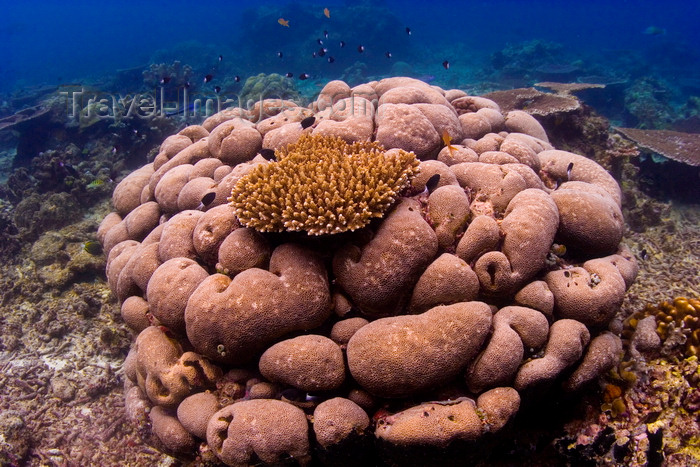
(404,355)
(232,320)
(372,265)
(265,430)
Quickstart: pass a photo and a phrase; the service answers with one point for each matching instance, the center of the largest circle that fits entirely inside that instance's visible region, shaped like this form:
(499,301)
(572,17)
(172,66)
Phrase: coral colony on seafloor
(301,278)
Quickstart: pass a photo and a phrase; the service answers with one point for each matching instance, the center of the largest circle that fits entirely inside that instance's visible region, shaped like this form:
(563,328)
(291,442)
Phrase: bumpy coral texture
(447,309)
(679,318)
(322,185)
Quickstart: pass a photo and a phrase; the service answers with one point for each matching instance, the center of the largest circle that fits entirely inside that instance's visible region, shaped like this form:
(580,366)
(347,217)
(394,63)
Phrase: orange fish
(447,139)
(327,12)
(283,22)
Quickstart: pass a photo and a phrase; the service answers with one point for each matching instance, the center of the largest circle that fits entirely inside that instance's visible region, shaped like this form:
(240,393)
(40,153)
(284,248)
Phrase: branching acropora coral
(322,185)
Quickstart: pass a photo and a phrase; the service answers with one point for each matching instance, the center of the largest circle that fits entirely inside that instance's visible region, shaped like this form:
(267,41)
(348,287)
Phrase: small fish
(304,76)
(208,198)
(388,55)
(325,34)
(180,110)
(93,247)
(321,52)
(327,12)
(187,85)
(268,154)
(283,22)
(114,150)
(320,42)
(313,55)
(221,57)
(307,122)
(446,64)
(654,31)
(69,168)
(331,59)
(217,89)
(280,54)
(432,182)
(237,79)
(408,30)
(95,184)
(447,140)
(568,170)
(165,80)
(558,249)
(208,78)
(360,48)
(289,75)
(293,395)
(341,44)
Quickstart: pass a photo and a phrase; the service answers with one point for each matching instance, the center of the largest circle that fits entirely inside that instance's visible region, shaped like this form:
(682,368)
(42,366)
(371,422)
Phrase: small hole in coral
(491,270)
(567,274)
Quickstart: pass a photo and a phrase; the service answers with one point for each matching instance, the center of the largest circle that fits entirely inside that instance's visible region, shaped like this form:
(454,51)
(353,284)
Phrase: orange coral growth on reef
(682,314)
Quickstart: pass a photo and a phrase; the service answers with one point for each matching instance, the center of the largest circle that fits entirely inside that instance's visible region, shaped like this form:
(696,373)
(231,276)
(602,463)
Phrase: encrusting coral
(322,185)
(449,289)
(679,318)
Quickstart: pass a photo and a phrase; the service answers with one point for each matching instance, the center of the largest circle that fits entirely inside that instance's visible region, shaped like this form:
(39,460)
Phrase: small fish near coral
(654,31)
(93,247)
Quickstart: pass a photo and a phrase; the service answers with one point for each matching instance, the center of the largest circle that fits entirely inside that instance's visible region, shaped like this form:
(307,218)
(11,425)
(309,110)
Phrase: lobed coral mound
(460,291)
(322,185)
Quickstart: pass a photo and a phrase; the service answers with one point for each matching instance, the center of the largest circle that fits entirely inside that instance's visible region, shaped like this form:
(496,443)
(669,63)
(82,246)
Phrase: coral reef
(267,86)
(63,343)
(525,58)
(174,74)
(488,217)
(676,322)
(646,106)
(681,147)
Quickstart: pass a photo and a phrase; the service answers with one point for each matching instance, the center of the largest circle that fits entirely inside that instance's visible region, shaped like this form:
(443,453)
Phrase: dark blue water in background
(51,43)
(646,52)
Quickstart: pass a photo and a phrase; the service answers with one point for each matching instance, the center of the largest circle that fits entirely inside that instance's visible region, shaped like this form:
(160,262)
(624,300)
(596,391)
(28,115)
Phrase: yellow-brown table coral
(322,185)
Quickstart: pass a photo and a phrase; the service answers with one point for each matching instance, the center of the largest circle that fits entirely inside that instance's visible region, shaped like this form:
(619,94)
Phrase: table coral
(364,272)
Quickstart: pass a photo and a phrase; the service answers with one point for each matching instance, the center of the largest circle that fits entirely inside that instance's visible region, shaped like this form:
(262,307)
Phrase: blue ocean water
(50,43)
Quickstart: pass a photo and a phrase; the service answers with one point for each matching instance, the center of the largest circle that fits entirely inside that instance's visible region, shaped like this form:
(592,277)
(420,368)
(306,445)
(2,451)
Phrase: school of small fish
(323,51)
